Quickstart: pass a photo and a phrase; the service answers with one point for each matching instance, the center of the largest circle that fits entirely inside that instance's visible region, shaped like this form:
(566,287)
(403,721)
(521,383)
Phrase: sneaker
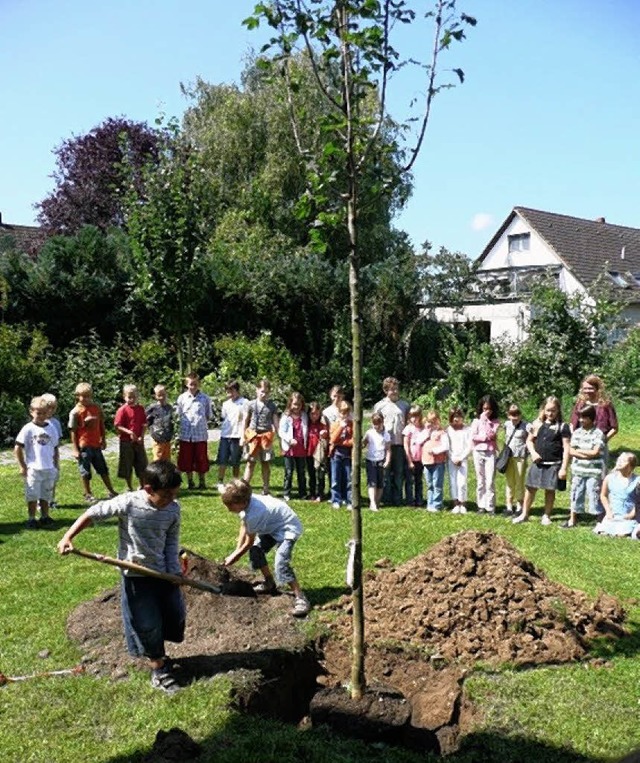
(567,525)
(335,505)
(46,522)
(267,587)
(463,509)
(455,510)
(286,498)
(163,679)
(301,607)
(317,499)
(90,498)
(374,508)
(349,507)
(32,524)
(220,487)
(546,520)
(432,509)
(522,517)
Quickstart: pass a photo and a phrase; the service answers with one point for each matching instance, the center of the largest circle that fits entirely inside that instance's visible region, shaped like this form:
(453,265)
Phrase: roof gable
(27,238)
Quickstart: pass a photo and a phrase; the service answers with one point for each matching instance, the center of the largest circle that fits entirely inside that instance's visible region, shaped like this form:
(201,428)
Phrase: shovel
(142,570)
(4,680)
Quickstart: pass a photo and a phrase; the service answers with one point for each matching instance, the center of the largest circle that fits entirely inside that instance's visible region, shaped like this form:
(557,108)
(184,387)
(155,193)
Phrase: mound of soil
(474,597)
(223,632)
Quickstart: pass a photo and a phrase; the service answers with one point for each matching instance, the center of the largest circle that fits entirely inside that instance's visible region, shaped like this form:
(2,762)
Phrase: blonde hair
(130,389)
(344,407)
(431,417)
(158,387)
(596,382)
(294,397)
(624,459)
(84,388)
(415,410)
(236,492)
(551,400)
(38,404)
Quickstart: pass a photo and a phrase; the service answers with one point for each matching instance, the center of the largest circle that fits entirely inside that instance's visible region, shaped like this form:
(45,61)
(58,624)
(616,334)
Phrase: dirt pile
(223,632)
(474,597)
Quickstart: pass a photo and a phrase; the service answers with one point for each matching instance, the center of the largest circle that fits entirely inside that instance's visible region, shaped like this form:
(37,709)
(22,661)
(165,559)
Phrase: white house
(531,243)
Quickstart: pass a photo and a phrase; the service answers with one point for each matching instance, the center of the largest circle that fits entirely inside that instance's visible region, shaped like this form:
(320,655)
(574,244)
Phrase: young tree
(89,188)
(348,46)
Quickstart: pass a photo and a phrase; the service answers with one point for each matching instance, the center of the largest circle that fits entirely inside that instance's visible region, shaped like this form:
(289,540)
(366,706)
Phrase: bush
(621,368)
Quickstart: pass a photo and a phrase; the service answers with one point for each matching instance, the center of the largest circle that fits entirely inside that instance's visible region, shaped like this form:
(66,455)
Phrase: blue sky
(548,117)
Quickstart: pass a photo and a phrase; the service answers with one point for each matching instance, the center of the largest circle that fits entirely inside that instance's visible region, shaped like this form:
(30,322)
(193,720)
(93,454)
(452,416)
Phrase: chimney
(600,220)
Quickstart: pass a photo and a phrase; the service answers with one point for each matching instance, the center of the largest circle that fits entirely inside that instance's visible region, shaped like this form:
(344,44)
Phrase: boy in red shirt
(130,421)
(88,439)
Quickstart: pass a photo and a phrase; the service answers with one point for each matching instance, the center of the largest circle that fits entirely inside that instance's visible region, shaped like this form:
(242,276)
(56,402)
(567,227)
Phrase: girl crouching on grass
(620,496)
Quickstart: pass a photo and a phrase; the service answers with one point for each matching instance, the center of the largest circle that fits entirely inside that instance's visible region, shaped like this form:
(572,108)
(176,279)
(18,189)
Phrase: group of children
(404,448)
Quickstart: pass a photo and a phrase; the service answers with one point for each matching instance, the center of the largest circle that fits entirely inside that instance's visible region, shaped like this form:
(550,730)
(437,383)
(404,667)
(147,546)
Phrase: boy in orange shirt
(88,438)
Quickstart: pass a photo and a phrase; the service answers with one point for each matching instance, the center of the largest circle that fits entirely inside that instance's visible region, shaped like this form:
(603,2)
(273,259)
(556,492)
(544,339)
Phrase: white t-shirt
(39,443)
(376,444)
(233,416)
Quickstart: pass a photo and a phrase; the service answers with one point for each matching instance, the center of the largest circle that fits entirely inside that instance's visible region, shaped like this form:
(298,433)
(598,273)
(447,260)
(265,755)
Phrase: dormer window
(519,242)
(618,279)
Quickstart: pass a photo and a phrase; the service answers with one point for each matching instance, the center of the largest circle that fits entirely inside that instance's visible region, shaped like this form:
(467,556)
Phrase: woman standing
(592,392)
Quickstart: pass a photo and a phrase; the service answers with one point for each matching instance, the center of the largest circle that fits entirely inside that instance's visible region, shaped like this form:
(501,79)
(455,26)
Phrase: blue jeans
(299,464)
(397,477)
(434,476)
(341,475)
(283,571)
(585,487)
(152,612)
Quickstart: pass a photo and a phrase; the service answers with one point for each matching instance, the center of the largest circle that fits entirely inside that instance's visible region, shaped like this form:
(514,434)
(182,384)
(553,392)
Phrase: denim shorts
(92,457)
(375,474)
(229,451)
(283,571)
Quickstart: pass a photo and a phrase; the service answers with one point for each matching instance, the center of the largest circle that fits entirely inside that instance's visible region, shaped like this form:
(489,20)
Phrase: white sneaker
(432,509)
(522,517)
(335,505)
(220,487)
(546,520)
(373,507)
(463,510)
(455,510)
(349,507)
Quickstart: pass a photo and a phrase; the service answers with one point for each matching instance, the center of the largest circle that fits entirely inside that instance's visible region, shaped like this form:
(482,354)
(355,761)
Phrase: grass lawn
(575,712)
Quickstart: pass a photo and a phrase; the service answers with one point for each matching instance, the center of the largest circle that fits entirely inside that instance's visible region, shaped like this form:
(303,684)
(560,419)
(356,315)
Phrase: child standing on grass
(317,451)
(266,522)
(620,496)
(587,449)
(484,434)
(331,412)
(415,434)
(434,458)
(378,454)
(231,432)
(516,432)
(395,411)
(340,447)
(88,437)
(52,408)
(153,610)
(548,445)
(36,452)
(194,411)
(130,422)
(261,424)
(459,450)
(160,421)
(294,437)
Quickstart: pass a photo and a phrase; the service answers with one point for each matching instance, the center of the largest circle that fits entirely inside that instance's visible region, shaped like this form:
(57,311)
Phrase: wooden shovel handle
(142,570)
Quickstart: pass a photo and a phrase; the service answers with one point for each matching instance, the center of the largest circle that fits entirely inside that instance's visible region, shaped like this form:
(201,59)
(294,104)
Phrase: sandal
(164,680)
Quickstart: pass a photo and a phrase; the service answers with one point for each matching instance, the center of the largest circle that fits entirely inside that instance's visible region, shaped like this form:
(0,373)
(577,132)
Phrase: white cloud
(481,221)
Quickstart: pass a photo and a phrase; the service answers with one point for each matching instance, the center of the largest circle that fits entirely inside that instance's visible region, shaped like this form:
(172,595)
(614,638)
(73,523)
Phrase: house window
(519,242)
(618,279)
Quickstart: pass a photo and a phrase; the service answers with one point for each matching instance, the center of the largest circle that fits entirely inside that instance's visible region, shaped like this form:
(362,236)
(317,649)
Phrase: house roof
(28,238)
(584,246)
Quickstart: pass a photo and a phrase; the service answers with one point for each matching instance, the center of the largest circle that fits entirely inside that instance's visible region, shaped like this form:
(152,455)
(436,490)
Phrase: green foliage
(24,372)
(254,359)
(89,360)
(152,360)
(621,366)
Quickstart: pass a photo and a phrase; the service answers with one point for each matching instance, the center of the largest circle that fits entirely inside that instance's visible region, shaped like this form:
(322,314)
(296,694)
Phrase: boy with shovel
(149,525)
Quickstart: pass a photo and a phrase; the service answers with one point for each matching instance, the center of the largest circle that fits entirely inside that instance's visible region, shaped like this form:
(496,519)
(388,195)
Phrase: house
(570,250)
(25,238)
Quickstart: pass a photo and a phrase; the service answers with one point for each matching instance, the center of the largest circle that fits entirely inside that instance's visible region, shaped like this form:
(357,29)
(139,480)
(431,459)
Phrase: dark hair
(161,475)
(455,413)
(377,418)
(492,402)
(232,385)
(589,412)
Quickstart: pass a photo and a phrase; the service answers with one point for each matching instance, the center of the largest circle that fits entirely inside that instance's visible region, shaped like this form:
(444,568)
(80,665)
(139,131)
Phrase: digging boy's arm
(245,541)
(65,546)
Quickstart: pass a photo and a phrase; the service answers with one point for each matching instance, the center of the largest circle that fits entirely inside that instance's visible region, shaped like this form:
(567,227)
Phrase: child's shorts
(375,473)
(161,451)
(132,457)
(92,457)
(39,484)
(261,454)
(229,451)
(193,456)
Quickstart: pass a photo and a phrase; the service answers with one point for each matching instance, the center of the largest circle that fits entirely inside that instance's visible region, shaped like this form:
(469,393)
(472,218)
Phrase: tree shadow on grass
(246,738)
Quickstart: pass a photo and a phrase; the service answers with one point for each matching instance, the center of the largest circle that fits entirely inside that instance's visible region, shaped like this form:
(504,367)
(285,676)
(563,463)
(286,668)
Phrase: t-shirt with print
(39,443)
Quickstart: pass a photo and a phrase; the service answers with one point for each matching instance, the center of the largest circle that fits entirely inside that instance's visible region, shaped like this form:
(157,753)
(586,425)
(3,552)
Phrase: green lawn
(575,712)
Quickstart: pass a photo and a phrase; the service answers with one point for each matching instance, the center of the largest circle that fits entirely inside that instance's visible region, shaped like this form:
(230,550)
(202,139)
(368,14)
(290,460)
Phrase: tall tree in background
(88,176)
(348,45)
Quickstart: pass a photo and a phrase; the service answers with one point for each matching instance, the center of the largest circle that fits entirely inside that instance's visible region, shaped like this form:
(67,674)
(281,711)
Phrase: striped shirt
(148,536)
(587,439)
